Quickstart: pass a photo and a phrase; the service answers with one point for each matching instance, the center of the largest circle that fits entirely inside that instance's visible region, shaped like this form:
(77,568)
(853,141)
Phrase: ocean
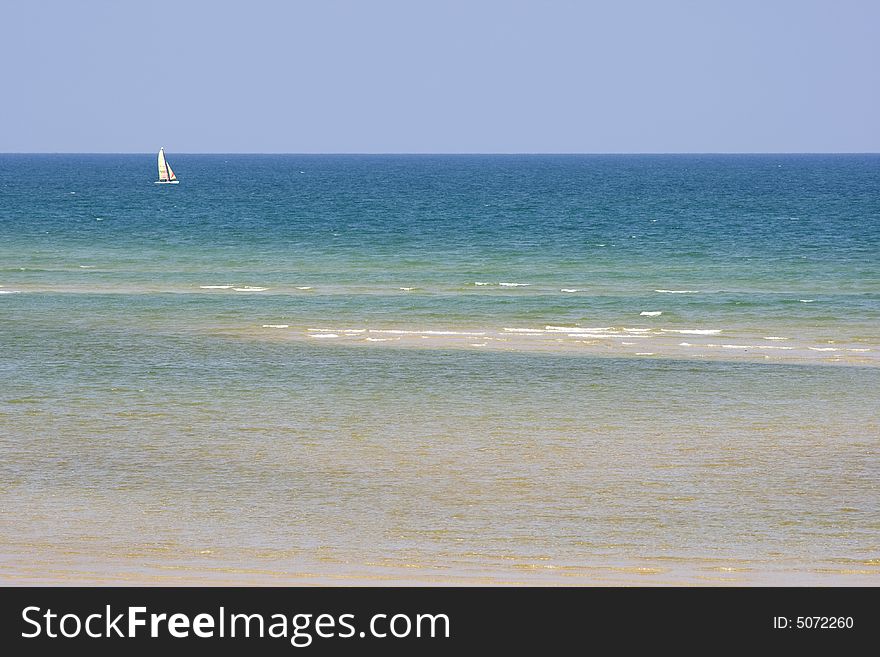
(419,369)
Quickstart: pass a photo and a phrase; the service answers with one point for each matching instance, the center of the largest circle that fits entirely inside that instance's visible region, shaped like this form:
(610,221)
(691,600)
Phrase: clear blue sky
(383,76)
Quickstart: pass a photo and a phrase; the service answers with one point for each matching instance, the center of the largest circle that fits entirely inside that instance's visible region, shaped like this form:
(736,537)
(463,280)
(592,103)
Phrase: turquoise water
(586,369)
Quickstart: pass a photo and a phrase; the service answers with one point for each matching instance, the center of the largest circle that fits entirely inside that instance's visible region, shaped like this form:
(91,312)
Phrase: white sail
(163,165)
(165,173)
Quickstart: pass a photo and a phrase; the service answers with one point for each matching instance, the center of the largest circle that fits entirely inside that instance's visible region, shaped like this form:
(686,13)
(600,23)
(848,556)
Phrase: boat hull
(167,182)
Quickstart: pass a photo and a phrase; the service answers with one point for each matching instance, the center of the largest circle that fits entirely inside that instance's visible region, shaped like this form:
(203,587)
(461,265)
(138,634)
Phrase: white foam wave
(427,333)
(524,330)
(693,331)
(637,330)
(216,287)
(514,284)
(248,288)
(378,339)
(678,291)
(407,289)
(276,325)
(774,337)
(644,353)
(750,346)
(651,313)
(858,350)
(453,333)
(481,283)
(323,335)
(823,349)
(806,300)
(10,291)
(305,287)
(577,329)
(569,289)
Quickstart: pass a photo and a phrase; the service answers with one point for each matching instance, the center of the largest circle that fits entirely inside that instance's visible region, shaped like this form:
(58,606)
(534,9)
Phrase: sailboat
(166,175)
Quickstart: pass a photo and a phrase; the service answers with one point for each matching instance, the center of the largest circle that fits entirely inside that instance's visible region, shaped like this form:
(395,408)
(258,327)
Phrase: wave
(651,313)
(736,346)
(693,331)
(576,329)
(249,288)
(678,291)
(749,346)
(394,331)
(569,289)
(514,284)
(426,333)
(452,333)
(216,287)
(603,339)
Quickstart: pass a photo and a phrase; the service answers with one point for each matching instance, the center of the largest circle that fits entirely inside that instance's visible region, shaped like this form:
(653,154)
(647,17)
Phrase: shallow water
(224,381)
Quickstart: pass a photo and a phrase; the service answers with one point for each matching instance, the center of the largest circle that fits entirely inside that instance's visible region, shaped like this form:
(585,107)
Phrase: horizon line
(434,153)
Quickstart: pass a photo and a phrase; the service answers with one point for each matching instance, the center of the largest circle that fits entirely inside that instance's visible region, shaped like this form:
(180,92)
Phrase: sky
(432,76)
